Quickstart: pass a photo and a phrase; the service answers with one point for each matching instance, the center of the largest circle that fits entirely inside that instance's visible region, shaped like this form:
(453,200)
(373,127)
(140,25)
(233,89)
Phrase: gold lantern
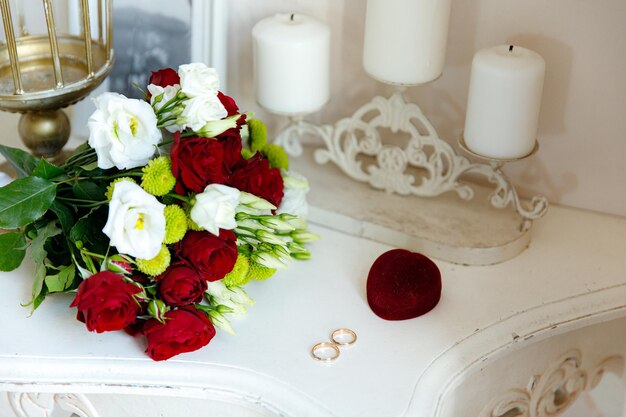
(42,73)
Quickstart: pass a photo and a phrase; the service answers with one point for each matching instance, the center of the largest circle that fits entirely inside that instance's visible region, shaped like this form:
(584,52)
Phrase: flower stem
(178,197)
(95,255)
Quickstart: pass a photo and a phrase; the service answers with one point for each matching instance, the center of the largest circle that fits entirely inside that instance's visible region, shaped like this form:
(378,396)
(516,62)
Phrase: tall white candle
(291,63)
(405,40)
(504,102)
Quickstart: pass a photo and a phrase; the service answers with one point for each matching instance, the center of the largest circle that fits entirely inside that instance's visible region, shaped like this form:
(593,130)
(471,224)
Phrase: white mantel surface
(572,275)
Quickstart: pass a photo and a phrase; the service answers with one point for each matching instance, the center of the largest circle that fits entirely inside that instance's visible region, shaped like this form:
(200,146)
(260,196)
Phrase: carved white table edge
(555,390)
(510,333)
(259,392)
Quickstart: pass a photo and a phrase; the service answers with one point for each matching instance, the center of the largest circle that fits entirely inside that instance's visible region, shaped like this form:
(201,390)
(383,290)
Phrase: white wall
(583,121)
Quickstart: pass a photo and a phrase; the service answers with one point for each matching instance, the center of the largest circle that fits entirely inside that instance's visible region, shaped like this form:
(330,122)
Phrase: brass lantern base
(45,133)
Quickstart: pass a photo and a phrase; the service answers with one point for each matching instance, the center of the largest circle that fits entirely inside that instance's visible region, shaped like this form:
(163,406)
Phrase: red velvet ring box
(402,285)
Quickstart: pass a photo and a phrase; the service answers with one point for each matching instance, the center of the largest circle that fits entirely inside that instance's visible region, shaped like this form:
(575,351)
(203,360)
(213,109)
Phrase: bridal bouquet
(157,223)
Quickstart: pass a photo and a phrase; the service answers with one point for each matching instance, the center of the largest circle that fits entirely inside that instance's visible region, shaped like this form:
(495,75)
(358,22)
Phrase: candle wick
(291,18)
(510,48)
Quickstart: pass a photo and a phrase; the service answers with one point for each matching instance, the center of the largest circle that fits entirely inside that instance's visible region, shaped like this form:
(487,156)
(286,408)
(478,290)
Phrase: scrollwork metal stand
(426,167)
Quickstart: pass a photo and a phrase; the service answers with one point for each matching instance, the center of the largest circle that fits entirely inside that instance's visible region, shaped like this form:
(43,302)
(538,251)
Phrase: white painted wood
(572,276)
(544,378)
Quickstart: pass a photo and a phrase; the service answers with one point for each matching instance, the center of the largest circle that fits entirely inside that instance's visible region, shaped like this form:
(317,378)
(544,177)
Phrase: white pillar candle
(504,102)
(291,56)
(405,40)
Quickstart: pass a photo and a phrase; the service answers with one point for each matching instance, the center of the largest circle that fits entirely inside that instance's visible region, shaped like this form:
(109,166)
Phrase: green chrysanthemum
(157,176)
(191,225)
(259,272)
(156,265)
(111,186)
(276,155)
(247,153)
(239,275)
(175,224)
(258,135)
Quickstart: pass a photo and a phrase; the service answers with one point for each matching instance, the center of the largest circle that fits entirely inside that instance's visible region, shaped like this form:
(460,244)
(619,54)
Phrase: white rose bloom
(123,131)
(201,110)
(198,80)
(294,202)
(169,92)
(214,208)
(136,222)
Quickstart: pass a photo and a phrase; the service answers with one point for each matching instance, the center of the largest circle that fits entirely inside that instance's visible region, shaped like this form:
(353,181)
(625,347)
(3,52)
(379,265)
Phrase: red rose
(185,330)
(196,163)
(164,77)
(231,149)
(181,285)
(256,177)
(212,256)
(228,103)
(105,302)
(232,109)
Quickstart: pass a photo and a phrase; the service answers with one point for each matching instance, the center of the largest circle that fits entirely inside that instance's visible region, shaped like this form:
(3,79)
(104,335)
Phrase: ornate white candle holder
(426,152)
(426,166)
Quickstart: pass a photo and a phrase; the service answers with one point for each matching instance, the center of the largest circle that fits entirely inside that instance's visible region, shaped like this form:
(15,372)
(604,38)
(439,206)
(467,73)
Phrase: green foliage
(24,201)
(62,280)
(23,162)
(46,170)
(88,190)
(65,215)
(87,232)
(38,254)
(13,249)
(90,167)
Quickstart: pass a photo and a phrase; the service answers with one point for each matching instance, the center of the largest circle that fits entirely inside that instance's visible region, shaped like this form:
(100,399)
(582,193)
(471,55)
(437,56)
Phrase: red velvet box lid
(402,285)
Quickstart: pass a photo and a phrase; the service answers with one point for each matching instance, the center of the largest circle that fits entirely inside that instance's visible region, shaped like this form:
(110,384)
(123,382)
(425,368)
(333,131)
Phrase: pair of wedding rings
(329,351)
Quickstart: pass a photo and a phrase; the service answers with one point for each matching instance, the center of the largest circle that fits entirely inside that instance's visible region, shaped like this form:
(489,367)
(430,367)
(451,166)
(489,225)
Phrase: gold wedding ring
(329,351)
(343,337)
(320,351)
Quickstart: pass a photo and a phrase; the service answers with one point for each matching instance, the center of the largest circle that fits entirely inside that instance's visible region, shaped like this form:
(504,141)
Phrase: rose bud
(164,77)
(185,330)
(106,302)
(181,285)
(212,256)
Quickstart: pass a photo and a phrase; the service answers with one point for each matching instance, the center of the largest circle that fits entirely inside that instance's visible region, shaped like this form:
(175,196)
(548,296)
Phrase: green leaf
(12,250)
(37,251)
(23,162)
(38,255)
(87,232)
(45,169)
(90,167)
(81,148)
(25,200)
(61,281)
(87,190)
(64,214)
(38,300)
